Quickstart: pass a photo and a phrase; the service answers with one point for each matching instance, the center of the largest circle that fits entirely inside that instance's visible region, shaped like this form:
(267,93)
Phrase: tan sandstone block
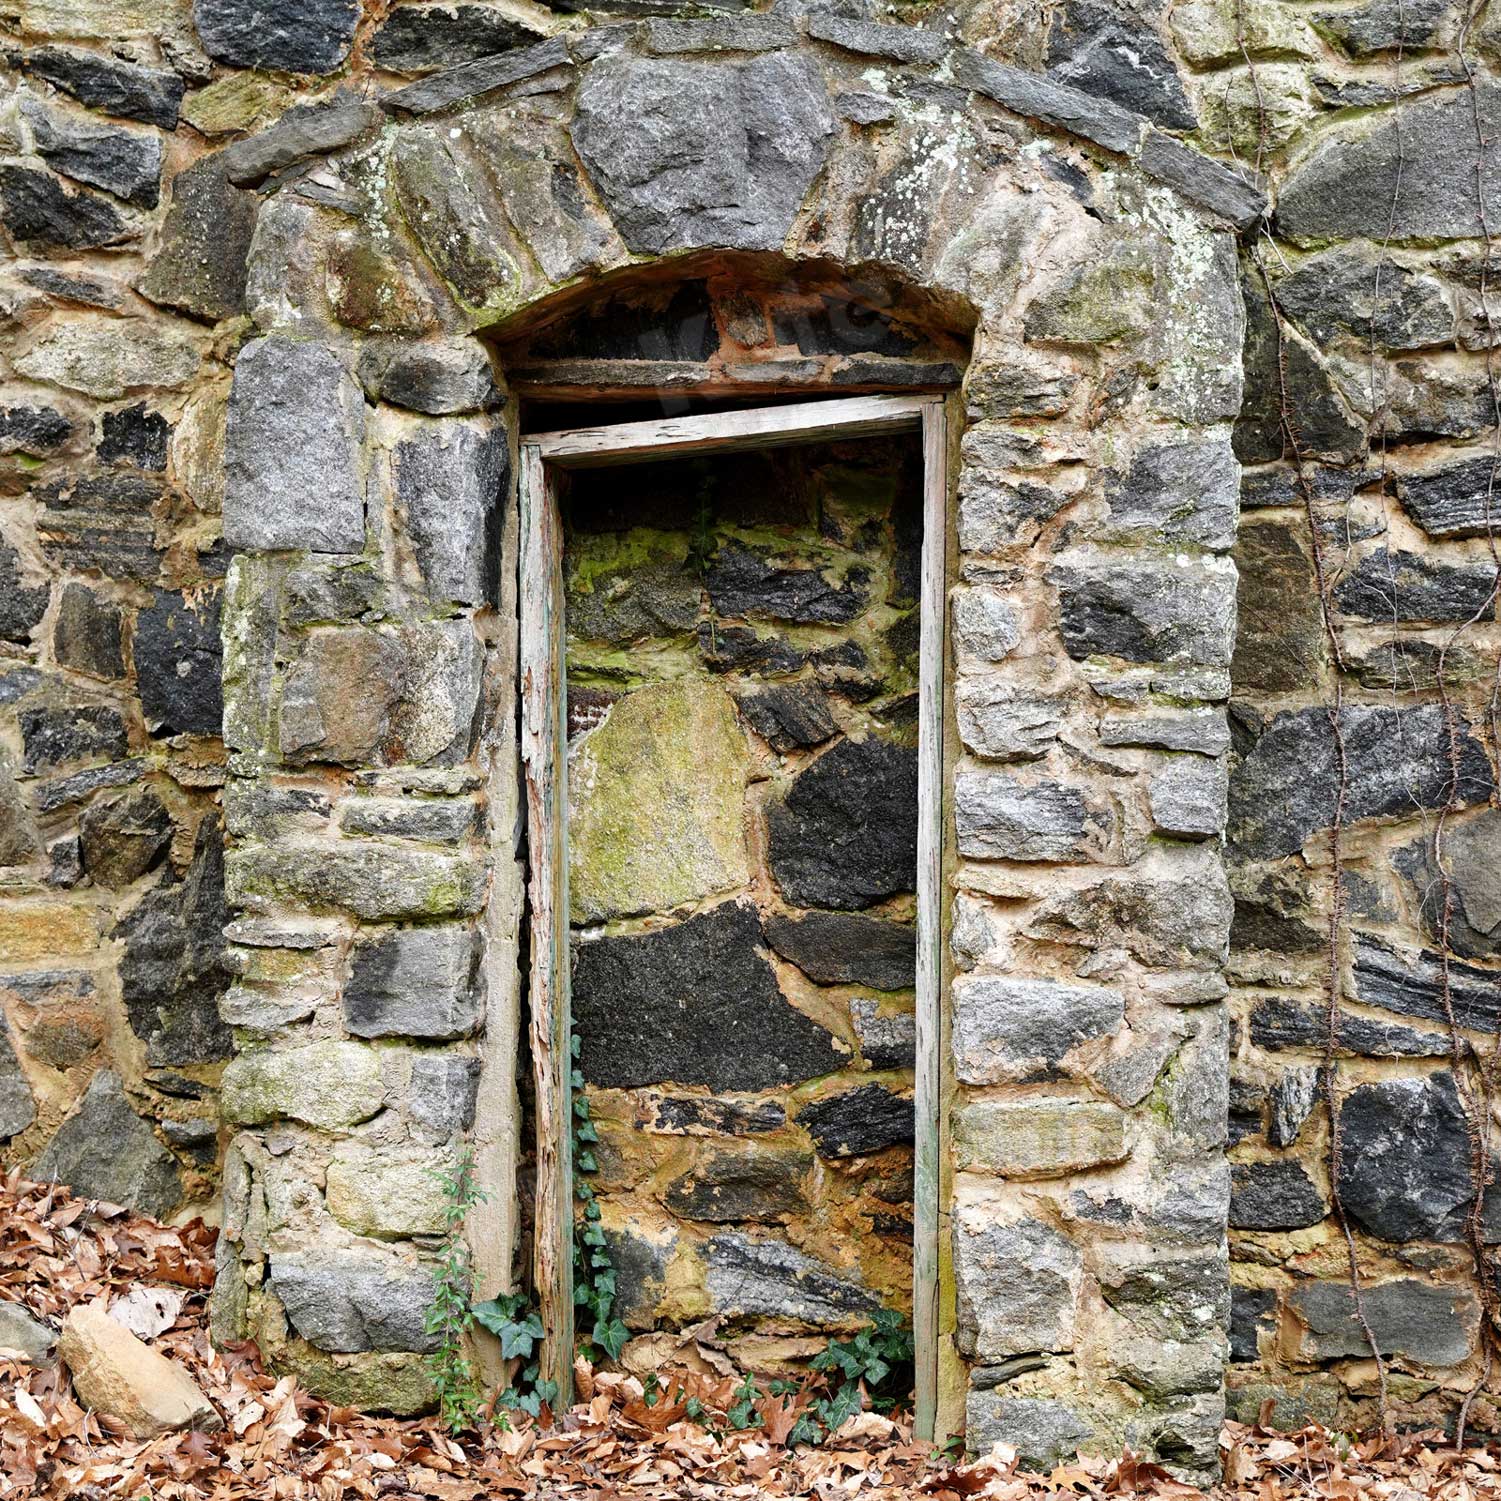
(116,1374)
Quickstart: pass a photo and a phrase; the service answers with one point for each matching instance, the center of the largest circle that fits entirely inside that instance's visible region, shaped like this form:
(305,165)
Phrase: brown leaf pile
(280,1444)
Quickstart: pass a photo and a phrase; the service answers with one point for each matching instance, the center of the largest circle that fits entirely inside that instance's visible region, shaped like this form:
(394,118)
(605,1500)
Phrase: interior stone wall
(129,201)
(742,825)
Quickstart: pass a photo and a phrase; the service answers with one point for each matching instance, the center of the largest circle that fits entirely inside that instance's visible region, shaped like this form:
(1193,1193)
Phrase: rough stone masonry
(1213,282)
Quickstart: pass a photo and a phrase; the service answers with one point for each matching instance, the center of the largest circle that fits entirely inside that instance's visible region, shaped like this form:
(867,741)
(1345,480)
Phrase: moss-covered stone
(655,803)
(327,1084)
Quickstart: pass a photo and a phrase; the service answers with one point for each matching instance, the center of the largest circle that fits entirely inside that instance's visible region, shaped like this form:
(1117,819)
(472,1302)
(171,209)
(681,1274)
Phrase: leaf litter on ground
(279,1443)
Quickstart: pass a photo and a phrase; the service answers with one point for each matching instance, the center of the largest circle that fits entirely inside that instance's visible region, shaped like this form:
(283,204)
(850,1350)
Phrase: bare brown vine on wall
(1475,1076)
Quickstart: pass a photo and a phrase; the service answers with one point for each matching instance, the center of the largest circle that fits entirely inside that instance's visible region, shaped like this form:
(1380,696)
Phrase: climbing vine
(1475,1075)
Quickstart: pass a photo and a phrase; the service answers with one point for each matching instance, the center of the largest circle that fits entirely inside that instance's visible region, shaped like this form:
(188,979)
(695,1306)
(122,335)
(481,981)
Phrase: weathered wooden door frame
(544,742)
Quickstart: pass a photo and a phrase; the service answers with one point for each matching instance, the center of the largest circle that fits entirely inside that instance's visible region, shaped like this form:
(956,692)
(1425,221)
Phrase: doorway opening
(732,681)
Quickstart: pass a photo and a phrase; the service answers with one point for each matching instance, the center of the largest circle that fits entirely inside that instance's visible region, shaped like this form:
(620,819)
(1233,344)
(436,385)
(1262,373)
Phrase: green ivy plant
(876,1362)
(513,1317)
(449,1316)
(593,1271)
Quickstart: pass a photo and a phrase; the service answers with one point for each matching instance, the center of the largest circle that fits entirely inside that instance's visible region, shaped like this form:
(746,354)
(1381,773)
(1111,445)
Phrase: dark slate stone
(1280,1023)
(38,431)
(125,163)
(1345,291)
(697,1115)
(445,1088)
(150,95)
(1286,786)
(22,605)
(640,1267)
(472,80)
(177,659)
(298,36)
(1279,631)
(1055,104)
(1252,1309)
(737,648)
(1471,925)
(694,1003)
(837,325)
(199,266)
(905,44)
(859,1122)
(844,949)
(304,130)
(1108,50)
(122,838)
(1247,1107)
(1455,501)
(347,1300)
(768,1278)
(1428,1322)
(1386,25)
(87,290)
(420,38)
(1325,427)
(1348,187)
(39,210)
(1178,492)
(1291,1100)
(135,435)
(1405,1167)
(1273,1196)
(1411,587)
(60,791)
(744,586)
(1413,983)
(668,182)
(1202,180)
(104,1150)
(170,972)
(416,982)
(845,835)
(789,716)
(54,737)
(730,1185)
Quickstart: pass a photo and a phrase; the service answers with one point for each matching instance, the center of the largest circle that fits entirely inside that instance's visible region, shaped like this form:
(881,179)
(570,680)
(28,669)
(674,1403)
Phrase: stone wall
(742,830)
(132,193)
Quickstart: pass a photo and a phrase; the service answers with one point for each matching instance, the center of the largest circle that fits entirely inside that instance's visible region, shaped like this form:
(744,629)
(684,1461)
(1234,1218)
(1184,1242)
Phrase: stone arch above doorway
(370,668)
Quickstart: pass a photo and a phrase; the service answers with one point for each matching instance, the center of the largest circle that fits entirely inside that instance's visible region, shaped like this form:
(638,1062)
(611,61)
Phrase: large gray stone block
(1010,1028)
(1016,1285)
(1148,609)
(999,817)
(1043,1432)
(348,1300)
(1434,1324)
(294,472)
(750,1278)
(1347,188)
(717,153)
(416,982)
(104,1150)
(449,480)
(1286,787)
(1177,492)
